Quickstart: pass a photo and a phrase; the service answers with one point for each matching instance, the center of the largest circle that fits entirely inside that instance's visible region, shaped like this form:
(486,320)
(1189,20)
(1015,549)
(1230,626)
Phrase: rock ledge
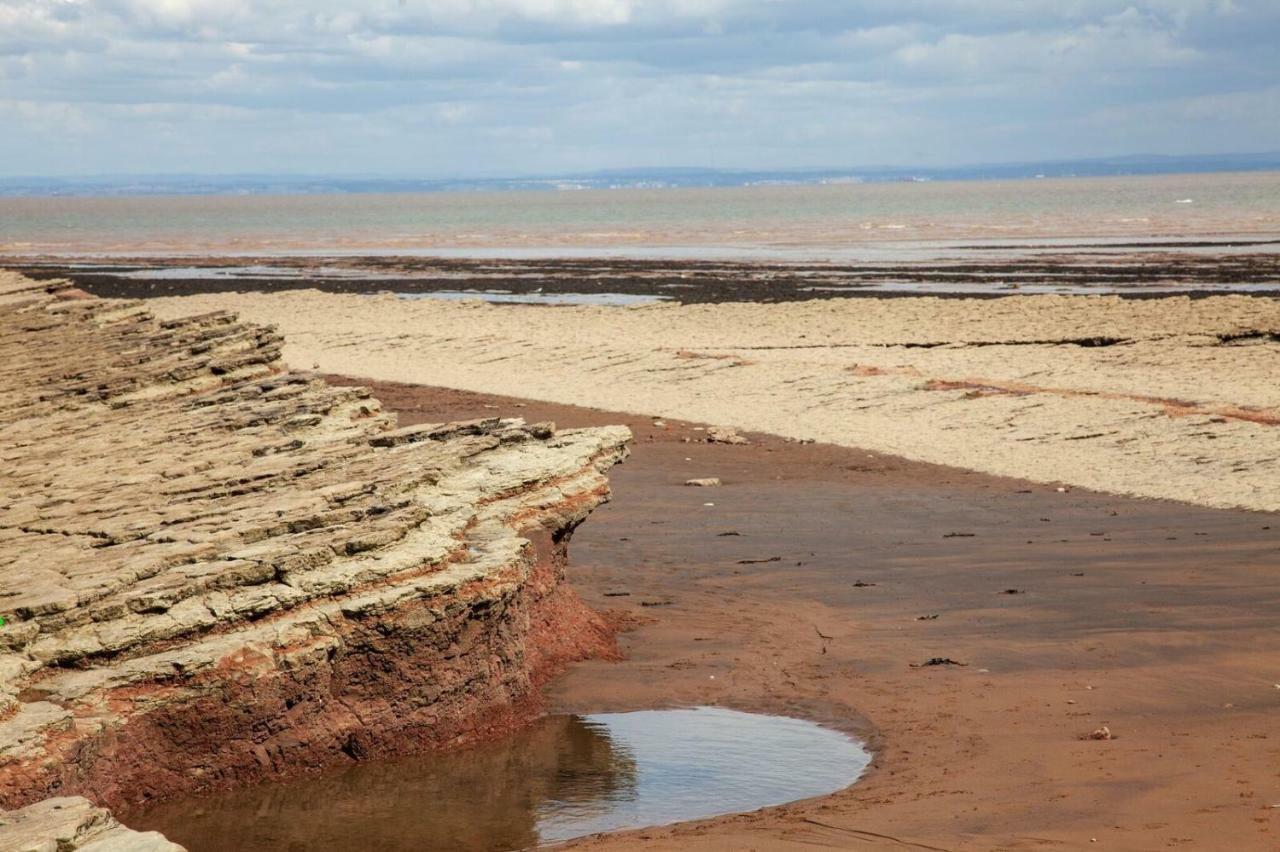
(213,570)
(73,824)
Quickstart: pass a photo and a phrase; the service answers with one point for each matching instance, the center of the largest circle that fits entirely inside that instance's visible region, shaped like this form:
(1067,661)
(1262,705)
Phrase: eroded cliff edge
(213,570)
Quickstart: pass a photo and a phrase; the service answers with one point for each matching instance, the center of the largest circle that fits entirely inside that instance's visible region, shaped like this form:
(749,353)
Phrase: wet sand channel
(823,581)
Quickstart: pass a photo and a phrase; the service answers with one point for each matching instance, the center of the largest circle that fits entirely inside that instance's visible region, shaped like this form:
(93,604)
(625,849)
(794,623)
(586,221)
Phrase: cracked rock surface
(213,570)
(1172,398)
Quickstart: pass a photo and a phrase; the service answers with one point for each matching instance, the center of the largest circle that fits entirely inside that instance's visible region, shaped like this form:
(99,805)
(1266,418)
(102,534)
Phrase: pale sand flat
(1184,406)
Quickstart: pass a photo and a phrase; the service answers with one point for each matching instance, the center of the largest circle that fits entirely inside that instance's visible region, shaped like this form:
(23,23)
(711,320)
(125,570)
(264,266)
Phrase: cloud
(438,87)
(1120,42)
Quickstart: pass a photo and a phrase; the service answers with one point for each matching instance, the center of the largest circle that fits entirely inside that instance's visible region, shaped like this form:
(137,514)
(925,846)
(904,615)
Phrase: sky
(470,88)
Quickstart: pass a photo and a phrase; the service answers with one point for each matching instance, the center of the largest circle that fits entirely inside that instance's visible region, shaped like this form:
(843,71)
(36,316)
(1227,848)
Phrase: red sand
(1071,611)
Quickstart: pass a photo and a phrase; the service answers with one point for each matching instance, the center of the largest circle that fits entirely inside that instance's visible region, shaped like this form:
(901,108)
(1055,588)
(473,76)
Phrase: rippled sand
(1166,398)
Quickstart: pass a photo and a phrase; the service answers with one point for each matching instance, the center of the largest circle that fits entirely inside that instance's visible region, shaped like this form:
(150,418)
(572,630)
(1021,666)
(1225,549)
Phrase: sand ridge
(1172,398)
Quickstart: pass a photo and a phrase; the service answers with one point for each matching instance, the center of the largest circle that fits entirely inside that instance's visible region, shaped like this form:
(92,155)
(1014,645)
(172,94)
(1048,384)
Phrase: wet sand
(1069,611)
(1137,270)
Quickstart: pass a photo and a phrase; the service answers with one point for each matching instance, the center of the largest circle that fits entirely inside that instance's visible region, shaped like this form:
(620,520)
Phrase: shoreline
(881,246)
(1130,271)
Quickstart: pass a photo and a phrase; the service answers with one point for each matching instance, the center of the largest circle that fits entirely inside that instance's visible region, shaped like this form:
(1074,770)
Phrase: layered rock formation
(73,824)
(213,570)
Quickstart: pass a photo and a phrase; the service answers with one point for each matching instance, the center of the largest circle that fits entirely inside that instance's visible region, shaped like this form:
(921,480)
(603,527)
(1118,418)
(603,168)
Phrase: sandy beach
(959,504)
(1170,398)
(1022,548)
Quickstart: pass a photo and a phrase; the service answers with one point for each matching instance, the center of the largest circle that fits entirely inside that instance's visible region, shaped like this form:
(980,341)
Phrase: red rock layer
(418,678)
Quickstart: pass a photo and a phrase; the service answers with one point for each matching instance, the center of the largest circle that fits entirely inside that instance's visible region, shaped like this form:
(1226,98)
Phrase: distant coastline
(637,178)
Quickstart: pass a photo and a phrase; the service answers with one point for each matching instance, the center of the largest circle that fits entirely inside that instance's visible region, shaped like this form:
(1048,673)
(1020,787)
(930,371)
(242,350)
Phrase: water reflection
(565,777)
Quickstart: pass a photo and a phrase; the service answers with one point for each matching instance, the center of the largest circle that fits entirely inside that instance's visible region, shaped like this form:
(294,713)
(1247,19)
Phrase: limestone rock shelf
(214,570)
(73,824)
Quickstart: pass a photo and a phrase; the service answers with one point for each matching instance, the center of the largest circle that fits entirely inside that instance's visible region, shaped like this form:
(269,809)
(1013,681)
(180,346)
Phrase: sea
(840,221)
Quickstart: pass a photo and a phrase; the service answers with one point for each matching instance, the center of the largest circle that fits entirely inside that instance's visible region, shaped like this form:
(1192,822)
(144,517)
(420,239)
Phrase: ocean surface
(768,221)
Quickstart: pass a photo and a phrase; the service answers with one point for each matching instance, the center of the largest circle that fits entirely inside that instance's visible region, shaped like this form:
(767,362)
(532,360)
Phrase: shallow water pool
(565,777)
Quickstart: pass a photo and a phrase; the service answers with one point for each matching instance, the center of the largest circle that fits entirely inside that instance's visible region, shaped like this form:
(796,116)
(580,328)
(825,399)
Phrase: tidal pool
(565,777)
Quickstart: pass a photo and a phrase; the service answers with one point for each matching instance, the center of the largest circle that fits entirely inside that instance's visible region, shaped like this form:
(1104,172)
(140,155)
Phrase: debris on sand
(862,585)
(724,435)
(728,533)
(1103,733)
(933,616)
(707,482)
(759,561)
(937,661)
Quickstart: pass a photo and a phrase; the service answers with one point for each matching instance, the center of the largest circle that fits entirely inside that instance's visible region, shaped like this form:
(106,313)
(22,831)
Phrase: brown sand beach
(1153,619)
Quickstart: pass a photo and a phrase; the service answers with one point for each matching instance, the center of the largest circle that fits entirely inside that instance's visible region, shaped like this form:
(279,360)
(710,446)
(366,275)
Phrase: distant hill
(640,178)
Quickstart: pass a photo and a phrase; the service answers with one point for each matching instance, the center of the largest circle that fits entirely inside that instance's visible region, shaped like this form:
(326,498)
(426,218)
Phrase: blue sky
(437,88)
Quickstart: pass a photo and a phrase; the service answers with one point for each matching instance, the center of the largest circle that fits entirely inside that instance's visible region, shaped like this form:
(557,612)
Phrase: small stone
(724,435)
(707,482)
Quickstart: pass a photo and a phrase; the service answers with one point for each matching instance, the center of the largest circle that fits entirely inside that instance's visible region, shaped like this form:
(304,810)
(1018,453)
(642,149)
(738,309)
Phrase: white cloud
(520,85)
(1127,40)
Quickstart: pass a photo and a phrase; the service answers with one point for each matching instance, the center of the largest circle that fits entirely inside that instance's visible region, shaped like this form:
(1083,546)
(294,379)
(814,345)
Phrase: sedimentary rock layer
(73,824)
(213,570)
(1173,398)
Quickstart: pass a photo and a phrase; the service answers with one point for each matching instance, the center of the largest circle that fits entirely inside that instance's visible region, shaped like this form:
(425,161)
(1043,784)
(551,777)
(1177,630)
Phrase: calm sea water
(799,219)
